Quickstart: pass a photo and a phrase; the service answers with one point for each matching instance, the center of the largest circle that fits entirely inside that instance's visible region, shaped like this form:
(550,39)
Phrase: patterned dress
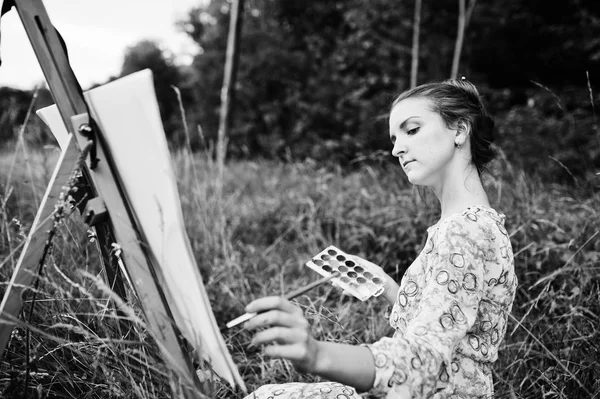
(449,317)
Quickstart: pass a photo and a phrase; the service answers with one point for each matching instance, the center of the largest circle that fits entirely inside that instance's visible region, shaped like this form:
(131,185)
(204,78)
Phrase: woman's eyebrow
(403,124)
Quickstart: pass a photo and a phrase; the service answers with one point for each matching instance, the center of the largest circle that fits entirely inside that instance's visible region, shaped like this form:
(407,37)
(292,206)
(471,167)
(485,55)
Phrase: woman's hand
(287,335)
(286,332)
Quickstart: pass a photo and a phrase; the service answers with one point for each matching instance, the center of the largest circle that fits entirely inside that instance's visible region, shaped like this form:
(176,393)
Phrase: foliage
(14,104)
(253,239)
(316,81)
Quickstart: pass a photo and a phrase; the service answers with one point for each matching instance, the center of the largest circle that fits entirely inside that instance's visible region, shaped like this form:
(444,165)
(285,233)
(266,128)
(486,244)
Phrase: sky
(97,33)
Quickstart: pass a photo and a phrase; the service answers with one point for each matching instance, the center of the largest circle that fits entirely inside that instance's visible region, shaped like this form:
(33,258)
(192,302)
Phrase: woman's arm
(287,335)
(349,364)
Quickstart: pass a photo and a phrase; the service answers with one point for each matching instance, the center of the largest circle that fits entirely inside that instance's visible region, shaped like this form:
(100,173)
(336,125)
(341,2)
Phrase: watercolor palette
(356,278)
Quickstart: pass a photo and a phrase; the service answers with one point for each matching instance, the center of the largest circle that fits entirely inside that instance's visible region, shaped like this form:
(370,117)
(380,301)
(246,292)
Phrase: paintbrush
(289,296)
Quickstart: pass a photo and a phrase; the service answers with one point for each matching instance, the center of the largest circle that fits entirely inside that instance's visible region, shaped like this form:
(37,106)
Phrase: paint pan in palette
(357,278)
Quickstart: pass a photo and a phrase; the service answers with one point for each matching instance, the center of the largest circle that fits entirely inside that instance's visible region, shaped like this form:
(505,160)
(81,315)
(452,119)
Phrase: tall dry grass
(252,231)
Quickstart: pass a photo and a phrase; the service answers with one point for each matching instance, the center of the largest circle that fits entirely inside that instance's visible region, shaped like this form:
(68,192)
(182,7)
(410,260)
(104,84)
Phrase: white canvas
(127,113)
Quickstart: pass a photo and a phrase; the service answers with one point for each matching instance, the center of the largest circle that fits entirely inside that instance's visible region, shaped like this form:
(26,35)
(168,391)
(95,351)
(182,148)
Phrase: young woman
(451,307)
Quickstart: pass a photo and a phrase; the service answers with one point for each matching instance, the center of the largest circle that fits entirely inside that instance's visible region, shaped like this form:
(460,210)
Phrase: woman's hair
(459,101)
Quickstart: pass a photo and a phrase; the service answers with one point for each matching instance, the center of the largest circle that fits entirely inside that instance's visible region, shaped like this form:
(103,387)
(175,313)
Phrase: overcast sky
(97,32)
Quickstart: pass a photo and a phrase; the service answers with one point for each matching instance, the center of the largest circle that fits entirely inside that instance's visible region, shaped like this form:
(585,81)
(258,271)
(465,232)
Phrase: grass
(251,233)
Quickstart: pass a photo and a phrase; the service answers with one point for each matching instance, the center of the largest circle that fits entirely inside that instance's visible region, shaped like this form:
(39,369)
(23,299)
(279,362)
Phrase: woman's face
(422,142)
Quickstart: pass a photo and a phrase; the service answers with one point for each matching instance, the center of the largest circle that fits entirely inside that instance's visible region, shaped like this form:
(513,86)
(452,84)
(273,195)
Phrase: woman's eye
(412,131)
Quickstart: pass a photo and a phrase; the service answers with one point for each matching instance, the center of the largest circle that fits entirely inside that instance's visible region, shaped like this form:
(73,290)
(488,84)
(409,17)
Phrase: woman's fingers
(296,345)
(276,318)
(271,302)
(274,311)
(291,352)
(303,357)
(279,335)
(286,332)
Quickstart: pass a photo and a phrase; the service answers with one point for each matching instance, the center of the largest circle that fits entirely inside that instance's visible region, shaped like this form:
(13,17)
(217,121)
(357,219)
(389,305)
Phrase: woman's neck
(461,191)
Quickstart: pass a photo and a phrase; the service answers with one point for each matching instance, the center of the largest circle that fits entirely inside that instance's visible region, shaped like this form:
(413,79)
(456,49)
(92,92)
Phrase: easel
(105,207)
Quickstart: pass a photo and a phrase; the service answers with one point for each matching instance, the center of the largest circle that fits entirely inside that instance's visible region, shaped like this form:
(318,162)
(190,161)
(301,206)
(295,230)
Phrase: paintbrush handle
(247,316)
(310,286)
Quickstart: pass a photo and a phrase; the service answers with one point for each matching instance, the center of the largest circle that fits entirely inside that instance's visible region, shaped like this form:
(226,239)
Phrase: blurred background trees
(316,79)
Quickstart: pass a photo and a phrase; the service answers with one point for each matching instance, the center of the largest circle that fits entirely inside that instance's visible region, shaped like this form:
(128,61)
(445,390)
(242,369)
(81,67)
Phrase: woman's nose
(398,148)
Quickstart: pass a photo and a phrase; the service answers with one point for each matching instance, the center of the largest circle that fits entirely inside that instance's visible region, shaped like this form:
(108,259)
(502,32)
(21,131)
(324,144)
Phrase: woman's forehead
(409,107)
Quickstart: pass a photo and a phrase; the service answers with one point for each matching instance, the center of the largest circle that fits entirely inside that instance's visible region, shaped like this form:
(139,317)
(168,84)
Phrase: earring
(458,146)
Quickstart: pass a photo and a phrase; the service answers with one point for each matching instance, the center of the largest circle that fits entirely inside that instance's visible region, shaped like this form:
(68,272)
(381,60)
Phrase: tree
(228,90)
(463,21)
(414,69)
(148,55)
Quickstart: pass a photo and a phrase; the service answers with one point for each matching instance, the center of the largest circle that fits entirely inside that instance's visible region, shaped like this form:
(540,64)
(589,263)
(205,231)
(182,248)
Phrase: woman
(452,304)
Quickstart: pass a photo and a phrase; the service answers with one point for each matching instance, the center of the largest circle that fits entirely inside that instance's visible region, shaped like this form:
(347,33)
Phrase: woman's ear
(462,133)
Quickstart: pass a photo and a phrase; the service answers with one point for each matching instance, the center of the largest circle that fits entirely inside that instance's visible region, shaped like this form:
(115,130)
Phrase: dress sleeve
(415,364)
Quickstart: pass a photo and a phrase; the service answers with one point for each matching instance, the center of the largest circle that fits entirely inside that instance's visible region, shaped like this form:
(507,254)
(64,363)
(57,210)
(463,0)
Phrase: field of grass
(252,231)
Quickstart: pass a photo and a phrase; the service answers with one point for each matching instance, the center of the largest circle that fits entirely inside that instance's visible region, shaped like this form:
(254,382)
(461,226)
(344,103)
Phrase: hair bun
(466,87)
(485,124)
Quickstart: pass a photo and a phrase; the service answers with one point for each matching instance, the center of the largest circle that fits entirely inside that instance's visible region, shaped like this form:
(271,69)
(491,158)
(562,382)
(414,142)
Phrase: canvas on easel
(127,112)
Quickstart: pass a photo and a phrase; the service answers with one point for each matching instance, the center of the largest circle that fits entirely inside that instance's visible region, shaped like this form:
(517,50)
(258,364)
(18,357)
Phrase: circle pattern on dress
(442,277)
(457,314)
(381,360)
(416,363)
(444,377)
(447,321)
(403,299)
(411,288)
(399,377)
(453,286)
(469,282)
(474,342)
(502,278)
(455,367)
(495,336)
(457,260)
(484,349)
(485,325)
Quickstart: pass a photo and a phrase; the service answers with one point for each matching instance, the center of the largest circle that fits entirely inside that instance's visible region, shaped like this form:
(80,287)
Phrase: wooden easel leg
(32,251)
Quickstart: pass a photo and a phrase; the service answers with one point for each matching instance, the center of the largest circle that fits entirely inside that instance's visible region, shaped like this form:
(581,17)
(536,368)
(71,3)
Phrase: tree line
(316,79)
